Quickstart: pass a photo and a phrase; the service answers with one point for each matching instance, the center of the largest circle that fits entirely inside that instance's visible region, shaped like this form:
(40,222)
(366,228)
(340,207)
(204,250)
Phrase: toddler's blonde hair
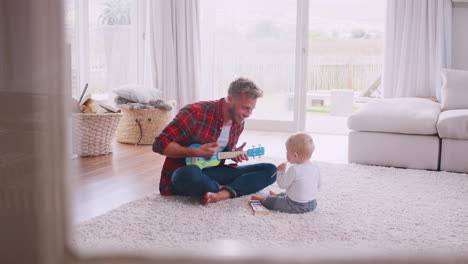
(302,144)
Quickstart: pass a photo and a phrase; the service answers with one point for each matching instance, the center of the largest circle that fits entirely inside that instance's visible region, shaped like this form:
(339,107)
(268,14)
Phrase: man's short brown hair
(242,86)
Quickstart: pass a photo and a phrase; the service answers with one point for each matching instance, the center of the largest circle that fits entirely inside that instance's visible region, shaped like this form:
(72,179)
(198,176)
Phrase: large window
(298,57)
(345,59)
(253,39)
(106,38)
(345,46)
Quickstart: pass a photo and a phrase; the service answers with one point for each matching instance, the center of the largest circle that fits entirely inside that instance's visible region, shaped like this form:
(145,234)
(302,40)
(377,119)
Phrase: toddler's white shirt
(301,181)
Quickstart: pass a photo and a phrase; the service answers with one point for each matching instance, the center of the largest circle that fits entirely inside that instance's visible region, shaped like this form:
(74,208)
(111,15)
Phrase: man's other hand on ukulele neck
(241,147)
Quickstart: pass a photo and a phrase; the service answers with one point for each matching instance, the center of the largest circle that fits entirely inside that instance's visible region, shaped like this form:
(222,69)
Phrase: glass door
(344,62)
(259,40)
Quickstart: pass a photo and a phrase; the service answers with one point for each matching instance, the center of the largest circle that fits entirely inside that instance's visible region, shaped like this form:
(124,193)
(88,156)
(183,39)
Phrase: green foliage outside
(325,109)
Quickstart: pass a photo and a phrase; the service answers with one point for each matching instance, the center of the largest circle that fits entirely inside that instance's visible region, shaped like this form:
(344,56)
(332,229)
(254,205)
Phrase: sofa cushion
(397,115)
(454,92)
(453,124)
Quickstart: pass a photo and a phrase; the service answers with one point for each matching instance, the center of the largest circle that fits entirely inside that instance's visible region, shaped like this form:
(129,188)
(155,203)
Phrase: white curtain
(121,51)
(417,45)
(173,43)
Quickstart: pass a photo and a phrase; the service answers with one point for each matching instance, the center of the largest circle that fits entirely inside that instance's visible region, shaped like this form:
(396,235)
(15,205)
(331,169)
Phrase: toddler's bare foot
(210,197)
(257,198)
(273,193)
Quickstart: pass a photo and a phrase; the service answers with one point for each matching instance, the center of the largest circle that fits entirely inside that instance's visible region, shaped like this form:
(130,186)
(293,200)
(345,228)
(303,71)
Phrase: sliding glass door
(260,40)
(344,61)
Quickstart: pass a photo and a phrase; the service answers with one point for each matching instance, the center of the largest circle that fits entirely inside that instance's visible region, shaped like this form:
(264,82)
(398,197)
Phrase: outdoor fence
(351,76)
(324,74)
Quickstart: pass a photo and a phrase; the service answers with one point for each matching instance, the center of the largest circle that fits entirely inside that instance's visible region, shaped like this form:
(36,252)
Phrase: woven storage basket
(93,133)
(142,126)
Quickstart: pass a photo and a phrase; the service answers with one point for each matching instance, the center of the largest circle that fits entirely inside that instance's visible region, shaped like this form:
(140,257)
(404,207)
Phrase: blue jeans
(190,180)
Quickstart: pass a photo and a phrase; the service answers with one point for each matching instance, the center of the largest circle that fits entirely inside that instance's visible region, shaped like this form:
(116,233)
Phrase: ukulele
(216,159)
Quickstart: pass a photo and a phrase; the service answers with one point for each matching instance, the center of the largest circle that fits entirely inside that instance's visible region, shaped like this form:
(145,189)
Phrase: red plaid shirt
(200,123)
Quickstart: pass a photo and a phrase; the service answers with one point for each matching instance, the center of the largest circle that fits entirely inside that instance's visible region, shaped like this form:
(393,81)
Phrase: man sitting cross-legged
(215,125)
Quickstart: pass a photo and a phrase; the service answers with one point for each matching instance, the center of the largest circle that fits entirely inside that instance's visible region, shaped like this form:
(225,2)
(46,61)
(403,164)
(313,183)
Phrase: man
(214,125)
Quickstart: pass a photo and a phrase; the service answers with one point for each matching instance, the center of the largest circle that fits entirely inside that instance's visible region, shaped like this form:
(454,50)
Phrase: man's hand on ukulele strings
(208,150)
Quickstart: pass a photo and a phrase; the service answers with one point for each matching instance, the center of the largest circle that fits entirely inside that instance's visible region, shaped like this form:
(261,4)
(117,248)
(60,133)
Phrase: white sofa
(395,132)
(453,131)
(452,125)
(414,133)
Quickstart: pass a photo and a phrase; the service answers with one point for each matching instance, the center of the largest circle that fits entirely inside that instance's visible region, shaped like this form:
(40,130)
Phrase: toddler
(301,180)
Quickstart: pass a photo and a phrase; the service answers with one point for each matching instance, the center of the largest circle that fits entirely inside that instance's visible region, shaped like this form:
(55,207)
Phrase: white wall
(460,36)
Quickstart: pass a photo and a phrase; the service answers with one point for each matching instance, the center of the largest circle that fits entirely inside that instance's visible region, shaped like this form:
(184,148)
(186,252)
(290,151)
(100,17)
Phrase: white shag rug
(359,207)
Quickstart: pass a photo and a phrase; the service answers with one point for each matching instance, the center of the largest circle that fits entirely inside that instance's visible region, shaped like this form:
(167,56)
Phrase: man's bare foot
(210,197)
(257,198)
(273,193)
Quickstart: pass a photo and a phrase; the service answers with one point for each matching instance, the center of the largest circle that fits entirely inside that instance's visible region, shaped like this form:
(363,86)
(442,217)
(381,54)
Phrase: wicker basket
(142,126)
(93,133)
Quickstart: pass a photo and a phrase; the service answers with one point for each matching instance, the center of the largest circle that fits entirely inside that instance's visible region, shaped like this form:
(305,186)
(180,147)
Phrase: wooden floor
(131,172)
(105,182)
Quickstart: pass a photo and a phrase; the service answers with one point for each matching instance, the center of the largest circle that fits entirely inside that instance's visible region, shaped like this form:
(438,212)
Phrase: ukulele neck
(229,154)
